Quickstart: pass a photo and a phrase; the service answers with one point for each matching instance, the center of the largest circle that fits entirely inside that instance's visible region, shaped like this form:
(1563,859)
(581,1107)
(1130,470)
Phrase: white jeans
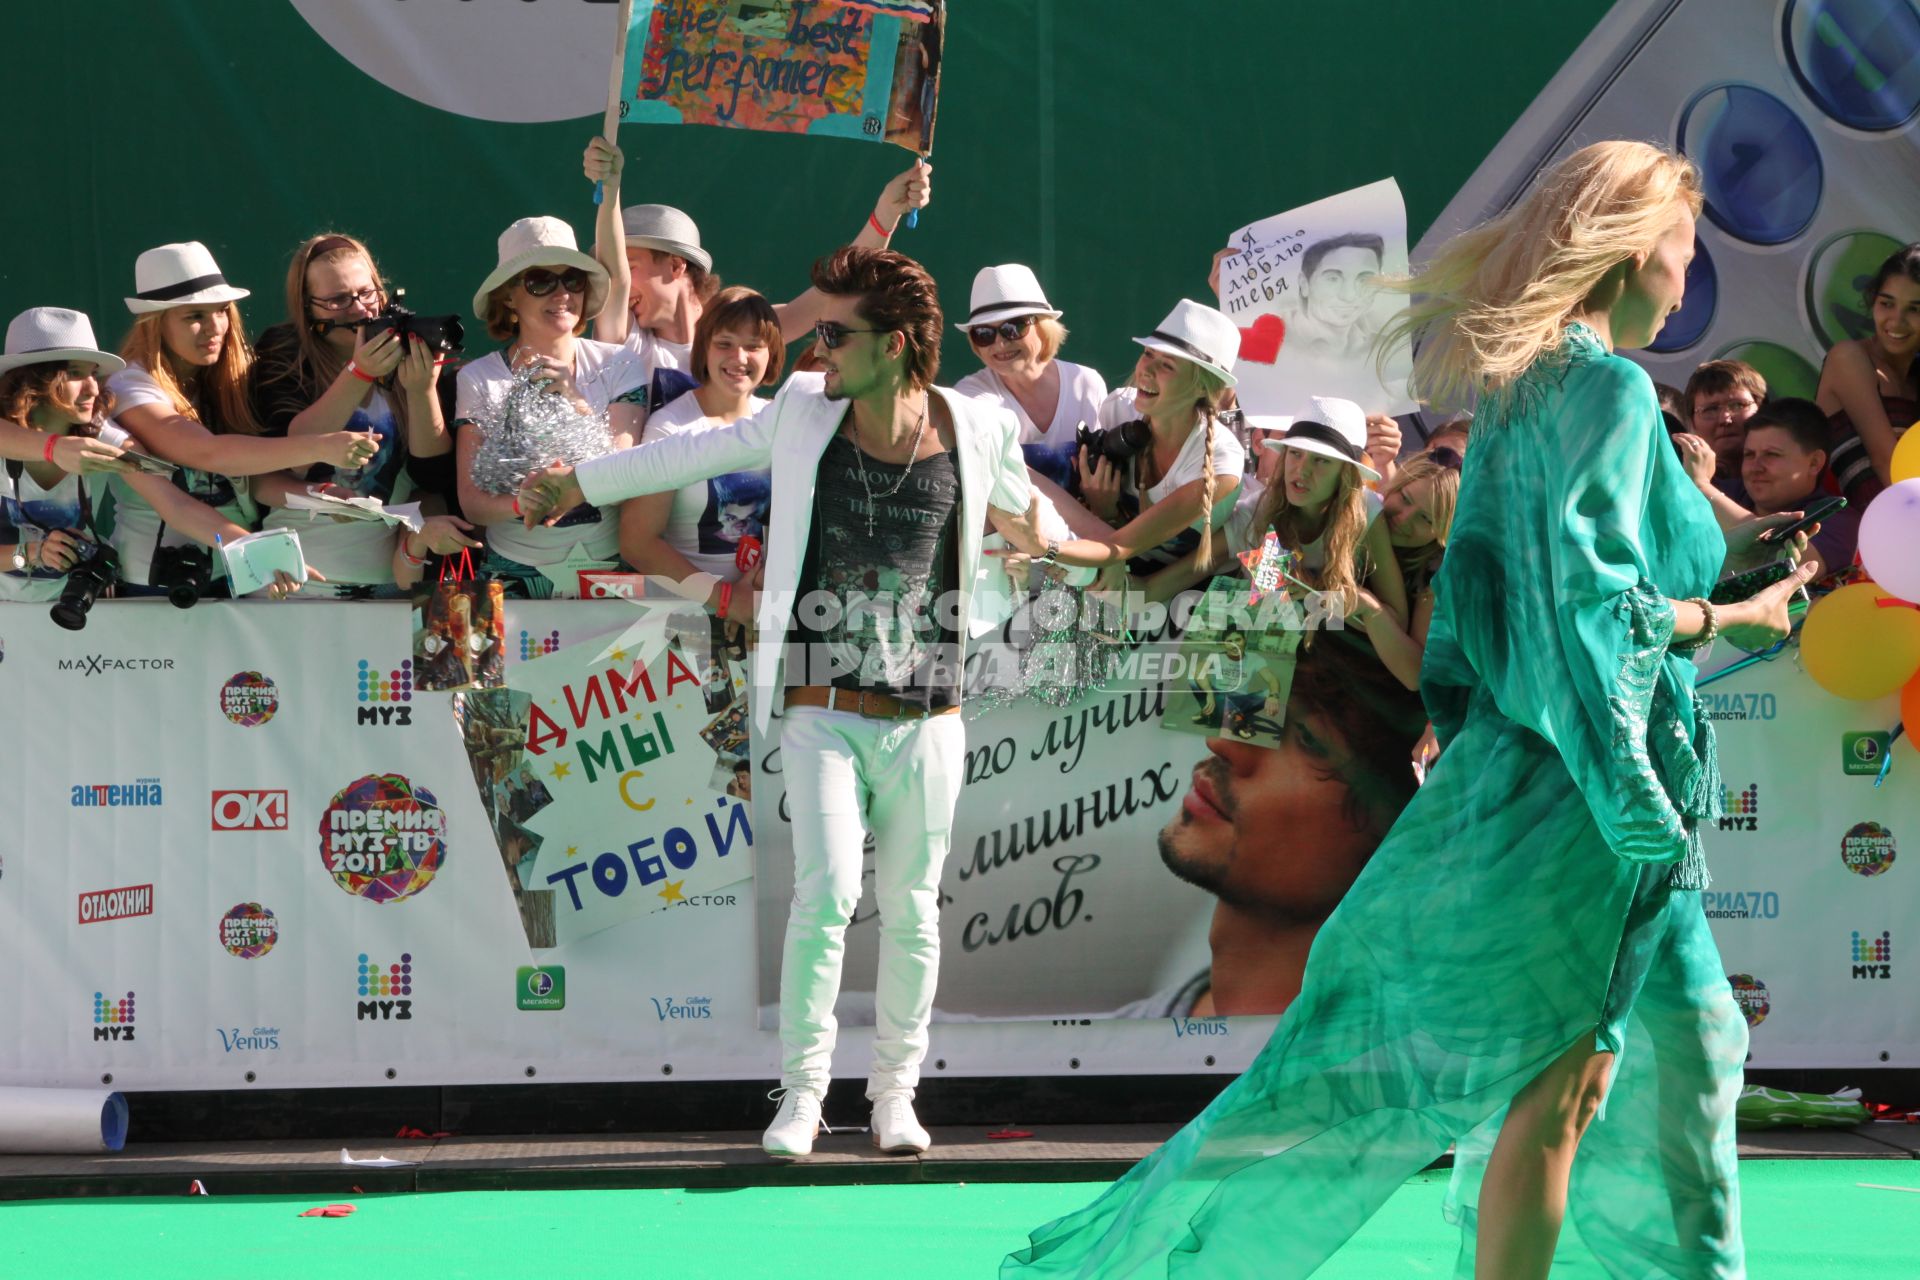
(904,776)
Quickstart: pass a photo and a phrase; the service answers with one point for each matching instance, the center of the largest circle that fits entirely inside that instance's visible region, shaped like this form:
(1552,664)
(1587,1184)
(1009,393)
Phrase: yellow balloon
(1854,648)
(1906,455)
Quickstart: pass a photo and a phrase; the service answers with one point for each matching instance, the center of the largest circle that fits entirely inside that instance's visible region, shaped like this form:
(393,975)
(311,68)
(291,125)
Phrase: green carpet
(1804,1219)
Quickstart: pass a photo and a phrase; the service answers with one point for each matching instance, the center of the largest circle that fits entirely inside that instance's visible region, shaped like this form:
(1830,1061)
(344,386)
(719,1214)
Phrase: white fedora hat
(42,335)
(663,227)
(1200,334)
(1003,293)
(542,242)
(178,275)
(1342,434)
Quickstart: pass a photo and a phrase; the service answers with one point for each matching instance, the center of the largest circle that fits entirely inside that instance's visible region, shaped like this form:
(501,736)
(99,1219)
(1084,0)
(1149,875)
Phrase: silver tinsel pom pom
(1070,650)
(535,428)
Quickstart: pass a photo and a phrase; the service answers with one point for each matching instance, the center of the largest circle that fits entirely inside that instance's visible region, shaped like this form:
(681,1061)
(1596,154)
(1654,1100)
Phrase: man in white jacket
(882,487)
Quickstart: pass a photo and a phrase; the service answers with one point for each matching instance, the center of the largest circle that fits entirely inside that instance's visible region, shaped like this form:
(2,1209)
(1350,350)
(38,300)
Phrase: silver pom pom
(535,428)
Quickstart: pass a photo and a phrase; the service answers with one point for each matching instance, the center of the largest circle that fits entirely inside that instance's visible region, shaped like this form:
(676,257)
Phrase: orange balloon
(1854,648)
(1910,712)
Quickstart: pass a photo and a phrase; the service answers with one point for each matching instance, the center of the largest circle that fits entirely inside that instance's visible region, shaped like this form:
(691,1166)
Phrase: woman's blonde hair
(1443,495)
(1343,524)
(1495,298)
(1053,335)
(221,406)
(1205,389)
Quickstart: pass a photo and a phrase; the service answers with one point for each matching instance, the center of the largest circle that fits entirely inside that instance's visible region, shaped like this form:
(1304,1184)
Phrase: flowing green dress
(1540,891)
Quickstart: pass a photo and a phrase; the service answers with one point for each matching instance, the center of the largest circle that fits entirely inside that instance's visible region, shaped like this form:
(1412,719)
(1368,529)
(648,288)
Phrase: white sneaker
(895,1129)
(794,1126)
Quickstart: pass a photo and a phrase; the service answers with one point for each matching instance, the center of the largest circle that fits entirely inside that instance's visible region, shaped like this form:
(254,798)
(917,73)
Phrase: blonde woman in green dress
(1524,967)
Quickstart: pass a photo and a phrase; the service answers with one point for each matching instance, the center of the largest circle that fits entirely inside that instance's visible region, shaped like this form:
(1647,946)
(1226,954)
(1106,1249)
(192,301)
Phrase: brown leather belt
(869,703)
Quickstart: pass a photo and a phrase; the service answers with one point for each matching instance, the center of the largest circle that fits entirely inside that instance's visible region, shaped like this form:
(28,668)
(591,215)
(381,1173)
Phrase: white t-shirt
(657,353)
(351,553)
(29,513)
(1190,464)
(709,517)
(1049,450)
(1243,535)
(138,530)
(603,373)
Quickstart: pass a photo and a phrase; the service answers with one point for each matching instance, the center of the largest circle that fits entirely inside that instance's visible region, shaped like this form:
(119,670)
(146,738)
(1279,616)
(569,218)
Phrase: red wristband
(516,504)
(874,222)
(51,441)
(360,373)
(726,599)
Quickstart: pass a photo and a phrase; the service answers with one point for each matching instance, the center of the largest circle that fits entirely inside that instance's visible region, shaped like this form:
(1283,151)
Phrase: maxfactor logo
(100,664)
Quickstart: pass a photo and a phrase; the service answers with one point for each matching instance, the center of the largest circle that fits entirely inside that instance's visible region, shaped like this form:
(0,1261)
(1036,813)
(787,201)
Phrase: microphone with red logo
(747,554)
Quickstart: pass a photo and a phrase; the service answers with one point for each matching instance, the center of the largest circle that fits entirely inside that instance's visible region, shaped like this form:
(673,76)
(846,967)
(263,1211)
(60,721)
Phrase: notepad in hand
(253,560)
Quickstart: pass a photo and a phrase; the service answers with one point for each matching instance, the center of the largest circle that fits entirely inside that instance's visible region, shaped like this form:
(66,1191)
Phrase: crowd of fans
(342,400)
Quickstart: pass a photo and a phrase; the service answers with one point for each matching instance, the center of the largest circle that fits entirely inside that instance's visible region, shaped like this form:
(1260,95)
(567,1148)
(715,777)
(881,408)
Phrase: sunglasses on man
(540,282)
(831,335)
(982,335)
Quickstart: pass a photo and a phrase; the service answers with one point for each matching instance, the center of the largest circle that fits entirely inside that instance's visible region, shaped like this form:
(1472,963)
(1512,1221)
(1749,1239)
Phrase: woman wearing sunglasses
(322,372)
(551,395)
(1017,336)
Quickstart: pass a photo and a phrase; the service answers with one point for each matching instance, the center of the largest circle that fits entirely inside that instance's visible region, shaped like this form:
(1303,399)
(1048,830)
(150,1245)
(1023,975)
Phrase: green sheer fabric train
(1537,892)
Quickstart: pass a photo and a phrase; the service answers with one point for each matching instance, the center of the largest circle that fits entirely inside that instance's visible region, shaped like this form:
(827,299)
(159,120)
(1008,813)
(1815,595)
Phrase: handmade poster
(1236,672)
(609,784)
(868,70)
(1304,289)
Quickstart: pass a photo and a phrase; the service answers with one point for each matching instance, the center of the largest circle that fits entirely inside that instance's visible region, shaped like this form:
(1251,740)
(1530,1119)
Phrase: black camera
(442,334)
(186,573)
(98,570)
(1117,445)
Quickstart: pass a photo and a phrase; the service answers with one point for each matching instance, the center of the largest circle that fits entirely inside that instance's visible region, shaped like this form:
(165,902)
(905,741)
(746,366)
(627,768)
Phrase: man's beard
(1218,881)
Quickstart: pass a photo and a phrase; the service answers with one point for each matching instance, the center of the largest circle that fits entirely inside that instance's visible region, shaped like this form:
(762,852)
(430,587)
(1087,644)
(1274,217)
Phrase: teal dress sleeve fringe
(1538,891)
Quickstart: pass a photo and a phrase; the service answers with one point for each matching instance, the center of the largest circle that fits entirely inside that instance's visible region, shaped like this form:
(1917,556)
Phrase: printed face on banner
(609,771)
(820,67)
(1305,290)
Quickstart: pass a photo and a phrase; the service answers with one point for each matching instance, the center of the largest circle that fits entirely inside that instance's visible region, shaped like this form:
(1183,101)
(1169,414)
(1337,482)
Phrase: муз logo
(116,904)
(112,1019)
(1872,957)
(1867,849)
(531,648)
(249,699)
(248,931)
(1740,810)
(249,811)
(384,992)
(540,987)
(1751,995)
(141,793)
(388,694)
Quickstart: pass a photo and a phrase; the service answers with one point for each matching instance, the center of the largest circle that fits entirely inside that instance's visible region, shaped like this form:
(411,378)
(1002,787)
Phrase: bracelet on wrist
(1707,632)
(725,599)
(360,373)
(873,220)
(51,442)
(412,558)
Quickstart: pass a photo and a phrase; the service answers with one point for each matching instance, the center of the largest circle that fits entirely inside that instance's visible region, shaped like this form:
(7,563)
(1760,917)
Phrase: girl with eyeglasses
(322,372)
(1017,337)
(550,395)
(183,398)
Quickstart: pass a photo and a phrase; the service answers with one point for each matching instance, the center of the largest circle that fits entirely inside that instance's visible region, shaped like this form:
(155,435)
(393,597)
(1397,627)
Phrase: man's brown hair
(895,295)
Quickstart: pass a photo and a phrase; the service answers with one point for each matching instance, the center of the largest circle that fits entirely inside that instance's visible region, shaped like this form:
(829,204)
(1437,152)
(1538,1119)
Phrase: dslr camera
(186,572)
(1118,444)
(442,334)
(98,570)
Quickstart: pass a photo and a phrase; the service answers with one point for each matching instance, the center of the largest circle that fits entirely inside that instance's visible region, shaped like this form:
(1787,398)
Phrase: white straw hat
(1003,293)
(42,335)
(663,227)
(1200,334)
(1342,434)
(543,242)
(178,275)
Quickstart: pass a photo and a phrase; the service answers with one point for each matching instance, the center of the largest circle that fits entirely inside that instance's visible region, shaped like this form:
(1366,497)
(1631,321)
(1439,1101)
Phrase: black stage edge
(671,1106)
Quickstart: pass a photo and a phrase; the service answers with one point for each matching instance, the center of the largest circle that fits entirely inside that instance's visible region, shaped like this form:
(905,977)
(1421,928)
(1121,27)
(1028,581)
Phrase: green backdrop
(1111,144)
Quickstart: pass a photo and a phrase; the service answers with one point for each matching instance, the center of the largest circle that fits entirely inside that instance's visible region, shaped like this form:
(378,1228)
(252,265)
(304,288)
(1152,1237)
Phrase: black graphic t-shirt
(870,614)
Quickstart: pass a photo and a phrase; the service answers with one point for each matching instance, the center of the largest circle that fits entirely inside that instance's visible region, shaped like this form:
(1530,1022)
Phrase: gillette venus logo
(99,664)
(687,1008)
(259,1040)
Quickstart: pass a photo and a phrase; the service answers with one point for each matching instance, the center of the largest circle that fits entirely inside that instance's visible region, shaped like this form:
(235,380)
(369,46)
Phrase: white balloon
(1890,540)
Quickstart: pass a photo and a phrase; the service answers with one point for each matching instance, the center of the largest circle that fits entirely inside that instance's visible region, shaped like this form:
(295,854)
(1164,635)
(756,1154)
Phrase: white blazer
(788,437)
